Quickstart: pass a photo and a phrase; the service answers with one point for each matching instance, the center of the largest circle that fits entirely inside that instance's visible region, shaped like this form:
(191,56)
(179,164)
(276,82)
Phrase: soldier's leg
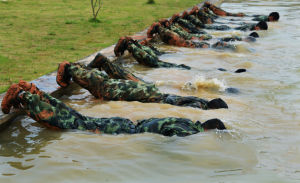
(218,11)
(90,79)
(195,102)
(113,70)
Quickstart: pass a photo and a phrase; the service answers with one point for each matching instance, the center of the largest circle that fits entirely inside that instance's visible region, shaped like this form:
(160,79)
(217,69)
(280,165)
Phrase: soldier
(194,20)
(186,25)
(53,113)
(262,25)
(273,16)
(172,38)
(183,33)
(143,54)
(113,70)
(202,15)
(251,38)
(188,36)
(104,88)
(220,12)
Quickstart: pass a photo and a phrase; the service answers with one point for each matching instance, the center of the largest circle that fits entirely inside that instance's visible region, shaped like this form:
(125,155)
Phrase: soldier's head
(164,22)
(274,16)
(121,46)
(184,14)
(174,18)
(262,25)
(98,61)
(154,28)
(254,34)
(252,37)
(213,124)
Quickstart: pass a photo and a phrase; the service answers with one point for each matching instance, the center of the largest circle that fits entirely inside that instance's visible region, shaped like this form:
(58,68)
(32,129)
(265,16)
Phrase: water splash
(202,83)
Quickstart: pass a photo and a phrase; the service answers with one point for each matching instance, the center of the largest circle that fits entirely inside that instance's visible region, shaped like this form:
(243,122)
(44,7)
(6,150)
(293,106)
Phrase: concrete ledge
(48,83)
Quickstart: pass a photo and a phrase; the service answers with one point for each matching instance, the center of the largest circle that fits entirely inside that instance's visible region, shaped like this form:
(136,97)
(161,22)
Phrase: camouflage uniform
(113,70)
(146,56)
(100,86)
(209,13)
(198,23)
(204,18)
(222,45)
(261,18)
(169,126)
(233,38)
(221,12)
(54,113)
(188,26)
(172,38)
(246,27)
(188,36)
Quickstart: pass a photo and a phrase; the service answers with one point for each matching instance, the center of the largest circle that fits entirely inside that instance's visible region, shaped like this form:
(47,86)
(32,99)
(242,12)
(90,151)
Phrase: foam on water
(201,83)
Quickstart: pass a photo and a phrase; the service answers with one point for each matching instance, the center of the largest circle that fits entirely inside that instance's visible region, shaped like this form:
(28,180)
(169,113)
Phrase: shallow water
(261,145)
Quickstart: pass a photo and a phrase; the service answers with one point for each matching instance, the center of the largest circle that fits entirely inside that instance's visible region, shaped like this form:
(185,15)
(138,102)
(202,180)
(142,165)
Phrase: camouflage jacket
(232,38)
(260,18)
(246,27)
(169,126)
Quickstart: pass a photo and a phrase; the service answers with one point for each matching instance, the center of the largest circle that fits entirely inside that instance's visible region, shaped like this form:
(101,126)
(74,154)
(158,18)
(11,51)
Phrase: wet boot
(63,77)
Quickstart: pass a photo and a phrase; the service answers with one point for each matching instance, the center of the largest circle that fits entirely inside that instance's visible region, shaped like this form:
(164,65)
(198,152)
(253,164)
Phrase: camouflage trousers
(118,89)
(52,112)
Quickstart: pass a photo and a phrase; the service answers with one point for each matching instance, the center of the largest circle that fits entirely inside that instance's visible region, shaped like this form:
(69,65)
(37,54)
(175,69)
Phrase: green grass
(36,35)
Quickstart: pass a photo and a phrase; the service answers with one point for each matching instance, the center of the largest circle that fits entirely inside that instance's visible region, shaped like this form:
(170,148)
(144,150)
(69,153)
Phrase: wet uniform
(54,113)
(113,70)
(221,12)
(188,36)
(188,26)
(146,56)
(246,27)
(222,45)
(198,23)
(204,18)
(261,18)
(100,86)
(232,38)
(172,38)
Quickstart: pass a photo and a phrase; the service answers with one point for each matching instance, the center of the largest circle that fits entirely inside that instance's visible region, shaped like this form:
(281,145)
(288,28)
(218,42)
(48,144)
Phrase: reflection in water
(261,145)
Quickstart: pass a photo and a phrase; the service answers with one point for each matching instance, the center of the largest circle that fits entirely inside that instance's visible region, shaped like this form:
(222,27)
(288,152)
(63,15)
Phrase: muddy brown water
(261,145)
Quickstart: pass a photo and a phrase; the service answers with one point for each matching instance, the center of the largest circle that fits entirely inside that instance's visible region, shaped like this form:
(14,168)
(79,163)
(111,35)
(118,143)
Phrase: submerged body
(102,87)
(54,113)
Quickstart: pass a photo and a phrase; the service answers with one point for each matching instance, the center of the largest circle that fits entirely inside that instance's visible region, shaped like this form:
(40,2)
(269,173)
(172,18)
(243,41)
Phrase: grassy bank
(36,35)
